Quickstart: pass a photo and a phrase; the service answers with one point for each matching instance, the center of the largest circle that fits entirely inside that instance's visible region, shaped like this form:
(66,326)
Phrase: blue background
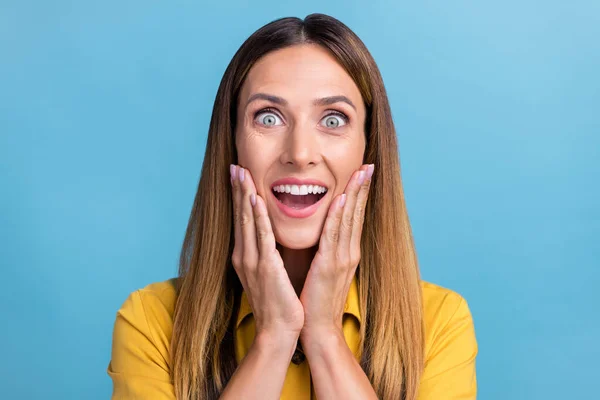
(104,110)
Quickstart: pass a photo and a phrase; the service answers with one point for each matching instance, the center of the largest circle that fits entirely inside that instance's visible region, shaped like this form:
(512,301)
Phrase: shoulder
(140,358)
(450,345)
(154,297)
(160,294)
(447,321)
(440,303)
(150,309)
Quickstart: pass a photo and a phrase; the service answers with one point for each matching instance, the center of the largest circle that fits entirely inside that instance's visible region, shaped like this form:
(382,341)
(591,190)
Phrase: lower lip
(298,212)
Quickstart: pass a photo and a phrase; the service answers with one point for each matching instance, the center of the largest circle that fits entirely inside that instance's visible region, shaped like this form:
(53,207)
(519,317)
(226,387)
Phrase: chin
(297,238)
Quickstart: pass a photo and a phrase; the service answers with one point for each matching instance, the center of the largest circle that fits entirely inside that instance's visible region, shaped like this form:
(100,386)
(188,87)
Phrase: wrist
(321,339)
(276,344)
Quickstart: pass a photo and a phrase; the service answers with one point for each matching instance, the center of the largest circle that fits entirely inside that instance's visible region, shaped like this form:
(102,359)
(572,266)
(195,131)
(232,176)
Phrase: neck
(297,263)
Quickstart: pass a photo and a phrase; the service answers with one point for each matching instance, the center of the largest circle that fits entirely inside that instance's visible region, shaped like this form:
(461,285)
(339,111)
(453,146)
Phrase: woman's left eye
(334,120)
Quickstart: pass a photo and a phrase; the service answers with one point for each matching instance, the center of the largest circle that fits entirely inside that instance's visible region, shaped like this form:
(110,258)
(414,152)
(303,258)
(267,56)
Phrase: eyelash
(333,112)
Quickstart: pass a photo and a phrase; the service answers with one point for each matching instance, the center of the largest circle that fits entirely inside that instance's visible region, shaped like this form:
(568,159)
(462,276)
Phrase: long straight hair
(208,289)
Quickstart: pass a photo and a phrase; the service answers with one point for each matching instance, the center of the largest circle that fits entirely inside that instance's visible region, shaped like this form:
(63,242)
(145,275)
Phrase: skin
(299,145)
(297,272)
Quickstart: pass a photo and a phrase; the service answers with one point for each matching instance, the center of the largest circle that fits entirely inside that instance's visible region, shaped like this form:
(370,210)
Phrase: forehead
(297,72)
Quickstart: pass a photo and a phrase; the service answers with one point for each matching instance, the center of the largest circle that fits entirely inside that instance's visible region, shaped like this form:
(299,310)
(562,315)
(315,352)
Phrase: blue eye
(268,118)
(334,120)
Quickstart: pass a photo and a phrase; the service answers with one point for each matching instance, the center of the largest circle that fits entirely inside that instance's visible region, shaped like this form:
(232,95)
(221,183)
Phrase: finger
(347,222)
(331,230)
(359,210)
(264,231)
(238,248)
(247,188)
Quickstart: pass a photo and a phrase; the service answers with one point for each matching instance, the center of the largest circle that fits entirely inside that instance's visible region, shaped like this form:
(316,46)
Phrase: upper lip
(297,181)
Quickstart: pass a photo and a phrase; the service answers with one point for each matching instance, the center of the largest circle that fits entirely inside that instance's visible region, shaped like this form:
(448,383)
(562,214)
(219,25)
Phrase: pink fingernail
(361,177)
(342,200)
(233,170)
(370,170)
(242,174)
(253,199)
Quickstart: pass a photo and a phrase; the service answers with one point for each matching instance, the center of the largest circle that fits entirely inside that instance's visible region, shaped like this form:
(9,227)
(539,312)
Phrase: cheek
(344,159)
(253,145)
(350,147)
(256,154)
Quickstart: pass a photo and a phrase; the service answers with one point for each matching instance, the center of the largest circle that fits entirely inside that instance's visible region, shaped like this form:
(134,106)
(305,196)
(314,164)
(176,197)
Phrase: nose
(301,147)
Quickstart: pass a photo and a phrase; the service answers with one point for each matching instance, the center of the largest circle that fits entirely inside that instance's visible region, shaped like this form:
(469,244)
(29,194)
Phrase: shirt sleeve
(139,366)
(449,372)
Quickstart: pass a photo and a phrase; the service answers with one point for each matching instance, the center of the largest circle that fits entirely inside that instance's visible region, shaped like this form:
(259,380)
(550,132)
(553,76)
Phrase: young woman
(298,275)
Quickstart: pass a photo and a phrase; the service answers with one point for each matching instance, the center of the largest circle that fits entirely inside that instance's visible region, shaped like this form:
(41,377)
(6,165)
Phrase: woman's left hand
(334,265)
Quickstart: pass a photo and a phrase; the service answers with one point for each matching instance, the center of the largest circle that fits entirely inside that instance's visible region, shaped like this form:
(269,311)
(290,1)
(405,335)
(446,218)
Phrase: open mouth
(299,196)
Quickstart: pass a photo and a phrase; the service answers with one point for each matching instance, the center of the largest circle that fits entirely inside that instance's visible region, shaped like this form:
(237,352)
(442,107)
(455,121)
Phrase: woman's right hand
(276,307)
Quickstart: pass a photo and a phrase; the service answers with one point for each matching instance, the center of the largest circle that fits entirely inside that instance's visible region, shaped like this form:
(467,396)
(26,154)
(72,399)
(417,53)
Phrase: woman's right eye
(268,118)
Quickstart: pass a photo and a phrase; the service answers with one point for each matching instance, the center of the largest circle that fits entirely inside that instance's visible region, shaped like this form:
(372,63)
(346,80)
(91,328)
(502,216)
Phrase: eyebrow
(325,101)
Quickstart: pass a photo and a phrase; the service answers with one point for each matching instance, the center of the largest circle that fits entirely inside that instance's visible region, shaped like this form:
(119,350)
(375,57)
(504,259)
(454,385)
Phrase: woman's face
(300,127)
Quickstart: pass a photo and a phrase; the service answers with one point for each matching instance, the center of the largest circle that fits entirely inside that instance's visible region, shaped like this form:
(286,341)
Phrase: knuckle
(236,260)
(274,258)
(248,262)
(262,234)
(348,221)
(334,235)
(244,219)
(360,209)
(257,214)
(343,260)
(263,264)
(269,262)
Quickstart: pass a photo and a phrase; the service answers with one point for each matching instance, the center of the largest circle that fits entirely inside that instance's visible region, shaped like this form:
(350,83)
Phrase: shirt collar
(351,307)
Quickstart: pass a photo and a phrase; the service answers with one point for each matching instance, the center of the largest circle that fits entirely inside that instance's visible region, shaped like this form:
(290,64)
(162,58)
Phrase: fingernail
(232,170)
(253,199)
(242,174)
(361,177)
(343,200)
(370,170)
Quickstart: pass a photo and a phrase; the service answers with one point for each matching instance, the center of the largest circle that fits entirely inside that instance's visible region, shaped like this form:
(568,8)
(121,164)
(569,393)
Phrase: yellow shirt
(140,365)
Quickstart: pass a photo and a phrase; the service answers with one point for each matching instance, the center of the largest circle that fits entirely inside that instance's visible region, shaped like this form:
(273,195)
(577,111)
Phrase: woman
(300,184)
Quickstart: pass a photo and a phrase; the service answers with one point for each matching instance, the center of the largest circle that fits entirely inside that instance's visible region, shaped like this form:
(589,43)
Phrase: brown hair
(388,275)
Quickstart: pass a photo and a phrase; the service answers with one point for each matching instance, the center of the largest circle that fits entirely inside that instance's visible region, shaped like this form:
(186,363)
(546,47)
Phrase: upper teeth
(300,190)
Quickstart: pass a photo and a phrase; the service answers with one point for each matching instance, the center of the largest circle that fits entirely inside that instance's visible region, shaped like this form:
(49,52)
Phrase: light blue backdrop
(104,109)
